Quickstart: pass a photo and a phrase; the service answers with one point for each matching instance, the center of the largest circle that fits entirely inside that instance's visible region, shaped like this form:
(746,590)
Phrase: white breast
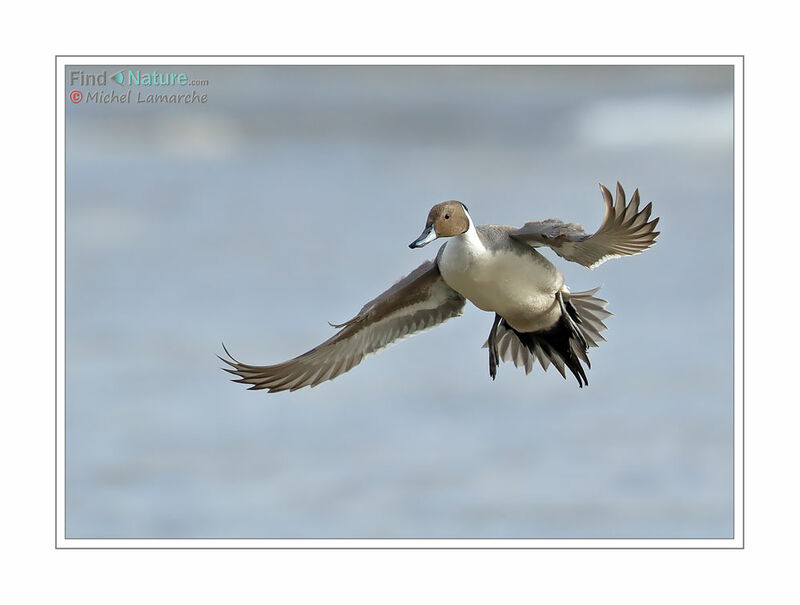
(520,287)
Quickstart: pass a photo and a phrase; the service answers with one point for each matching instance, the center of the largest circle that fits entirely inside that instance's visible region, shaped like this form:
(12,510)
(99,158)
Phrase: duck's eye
(446,216)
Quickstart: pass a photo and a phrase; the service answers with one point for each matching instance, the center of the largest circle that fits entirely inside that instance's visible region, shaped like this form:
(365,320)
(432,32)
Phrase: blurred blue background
(288,200)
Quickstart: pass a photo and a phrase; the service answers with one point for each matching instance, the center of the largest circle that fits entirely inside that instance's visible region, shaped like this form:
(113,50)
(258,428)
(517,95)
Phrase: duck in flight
(498,269)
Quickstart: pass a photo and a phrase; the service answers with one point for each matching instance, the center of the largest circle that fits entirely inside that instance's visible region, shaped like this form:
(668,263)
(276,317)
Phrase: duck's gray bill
(428,235)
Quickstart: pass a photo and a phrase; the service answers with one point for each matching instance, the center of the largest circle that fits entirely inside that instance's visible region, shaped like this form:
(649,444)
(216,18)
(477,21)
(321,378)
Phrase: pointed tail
(565,344)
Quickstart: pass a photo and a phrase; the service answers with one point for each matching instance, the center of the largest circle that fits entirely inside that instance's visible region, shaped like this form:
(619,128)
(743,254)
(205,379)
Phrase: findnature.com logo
(132,79)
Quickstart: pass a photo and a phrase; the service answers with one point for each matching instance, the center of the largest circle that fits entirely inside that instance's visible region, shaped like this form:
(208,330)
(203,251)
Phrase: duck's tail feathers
(565,344)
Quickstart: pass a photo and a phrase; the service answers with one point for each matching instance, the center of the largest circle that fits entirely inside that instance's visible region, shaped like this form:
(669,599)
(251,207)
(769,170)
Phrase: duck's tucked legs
(492,342)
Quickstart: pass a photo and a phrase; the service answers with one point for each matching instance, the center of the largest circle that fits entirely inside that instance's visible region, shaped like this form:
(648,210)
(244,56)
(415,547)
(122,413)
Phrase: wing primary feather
(620,201)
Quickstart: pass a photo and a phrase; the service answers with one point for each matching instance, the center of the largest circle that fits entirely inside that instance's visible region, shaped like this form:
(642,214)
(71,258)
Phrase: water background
(287,201)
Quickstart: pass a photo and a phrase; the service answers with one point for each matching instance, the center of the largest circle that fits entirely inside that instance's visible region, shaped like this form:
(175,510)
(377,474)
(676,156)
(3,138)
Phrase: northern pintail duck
(498,269)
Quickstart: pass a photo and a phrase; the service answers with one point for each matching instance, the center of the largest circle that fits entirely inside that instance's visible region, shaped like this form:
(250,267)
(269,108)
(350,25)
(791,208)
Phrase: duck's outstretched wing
(625,230)
(419,301)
